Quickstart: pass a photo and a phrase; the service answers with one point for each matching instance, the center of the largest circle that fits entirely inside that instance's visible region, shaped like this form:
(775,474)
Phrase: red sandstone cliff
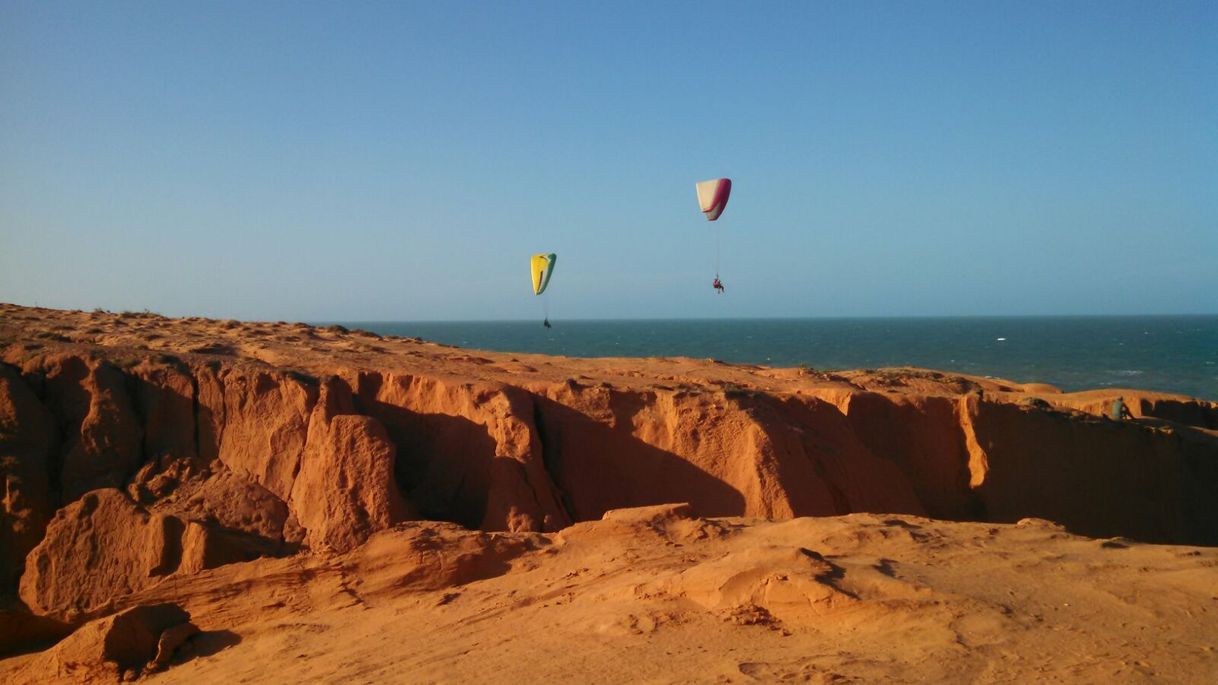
(136,449)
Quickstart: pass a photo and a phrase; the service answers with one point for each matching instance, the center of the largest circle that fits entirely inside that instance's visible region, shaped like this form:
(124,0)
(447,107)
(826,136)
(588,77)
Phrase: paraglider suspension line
(717,250)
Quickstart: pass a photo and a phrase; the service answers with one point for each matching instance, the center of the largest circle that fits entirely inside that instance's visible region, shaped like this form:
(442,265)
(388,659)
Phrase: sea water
(1166,353)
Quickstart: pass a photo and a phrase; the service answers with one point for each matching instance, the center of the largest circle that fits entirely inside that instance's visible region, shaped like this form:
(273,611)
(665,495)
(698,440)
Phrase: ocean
(1166,353)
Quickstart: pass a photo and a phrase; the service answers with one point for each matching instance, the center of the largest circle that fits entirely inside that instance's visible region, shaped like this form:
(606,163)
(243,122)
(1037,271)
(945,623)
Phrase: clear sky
(402,160)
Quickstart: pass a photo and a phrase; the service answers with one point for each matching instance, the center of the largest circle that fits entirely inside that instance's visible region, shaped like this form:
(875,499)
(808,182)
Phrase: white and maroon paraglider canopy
(712,196)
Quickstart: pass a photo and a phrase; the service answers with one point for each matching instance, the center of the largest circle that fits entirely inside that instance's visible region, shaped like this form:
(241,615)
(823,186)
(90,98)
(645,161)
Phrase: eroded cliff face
(128,464)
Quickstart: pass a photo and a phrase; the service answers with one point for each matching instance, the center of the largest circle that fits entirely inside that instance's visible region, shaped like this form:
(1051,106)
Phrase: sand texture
(193,500)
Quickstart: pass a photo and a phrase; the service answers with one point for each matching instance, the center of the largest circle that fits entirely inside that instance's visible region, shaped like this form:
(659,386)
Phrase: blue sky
(398,161)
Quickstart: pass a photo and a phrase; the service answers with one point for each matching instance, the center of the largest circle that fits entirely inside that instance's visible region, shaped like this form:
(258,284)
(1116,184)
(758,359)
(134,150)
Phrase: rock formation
(119,646)
(137,450)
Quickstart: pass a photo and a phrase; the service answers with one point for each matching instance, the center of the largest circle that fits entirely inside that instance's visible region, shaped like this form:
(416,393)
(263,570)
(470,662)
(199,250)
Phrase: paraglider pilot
(712,199)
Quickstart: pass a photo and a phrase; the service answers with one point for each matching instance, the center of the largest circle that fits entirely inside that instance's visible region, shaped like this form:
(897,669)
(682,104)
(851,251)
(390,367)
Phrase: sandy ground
(651,596)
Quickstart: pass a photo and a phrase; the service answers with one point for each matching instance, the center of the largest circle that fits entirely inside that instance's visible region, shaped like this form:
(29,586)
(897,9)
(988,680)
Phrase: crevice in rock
(194,412)
(130,386)
(551,460)
(172,530)
(220,423)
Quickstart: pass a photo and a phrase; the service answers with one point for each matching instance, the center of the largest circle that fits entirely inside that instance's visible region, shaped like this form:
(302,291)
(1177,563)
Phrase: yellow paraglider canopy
(542,267)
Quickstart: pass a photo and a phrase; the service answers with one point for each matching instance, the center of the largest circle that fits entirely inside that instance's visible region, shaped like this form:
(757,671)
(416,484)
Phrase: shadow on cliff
(597,467)
(1198,472)
(1098,477)
(443,463)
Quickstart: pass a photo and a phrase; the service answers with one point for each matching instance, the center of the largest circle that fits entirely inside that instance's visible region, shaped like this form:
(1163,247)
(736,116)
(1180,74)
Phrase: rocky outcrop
(104,546)
(470,453)
(345,488)
(100,431)
(226,501)
(97,548)
(192,456)
(265,424)
(119,646)
(163,393)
